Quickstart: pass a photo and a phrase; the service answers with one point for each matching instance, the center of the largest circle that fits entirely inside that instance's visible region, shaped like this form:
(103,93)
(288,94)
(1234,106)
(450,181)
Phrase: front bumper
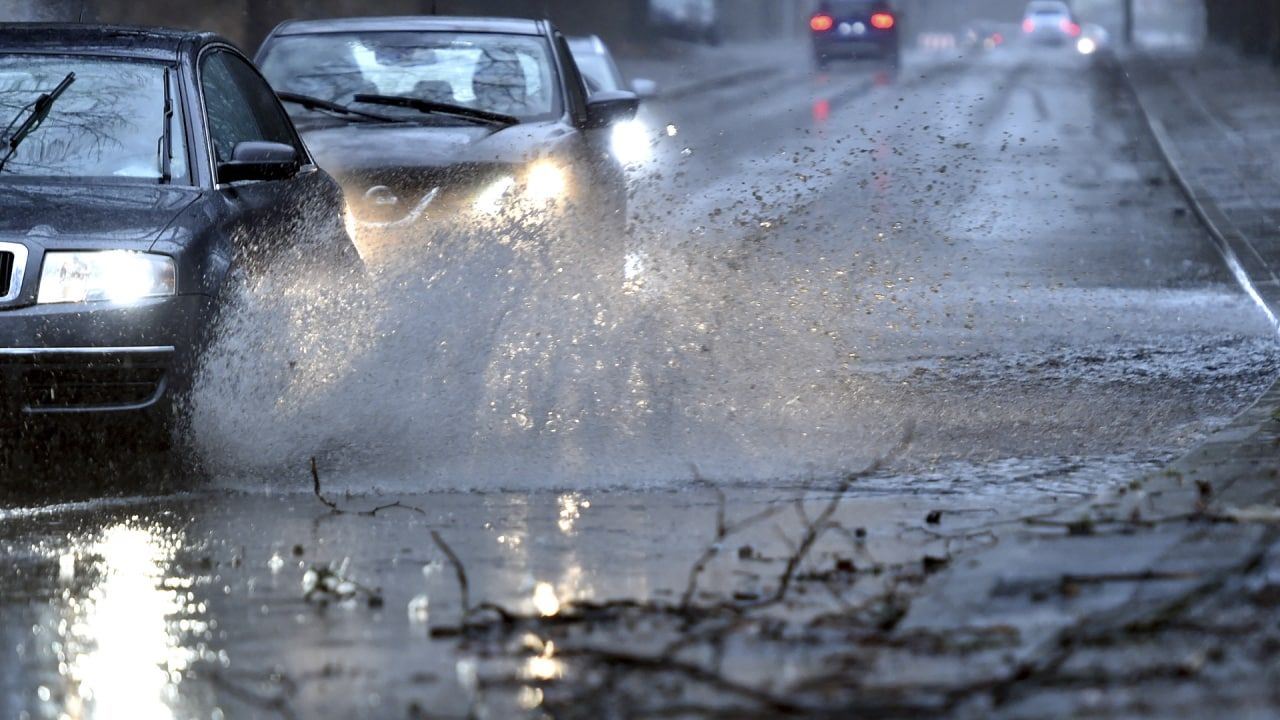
(98,358)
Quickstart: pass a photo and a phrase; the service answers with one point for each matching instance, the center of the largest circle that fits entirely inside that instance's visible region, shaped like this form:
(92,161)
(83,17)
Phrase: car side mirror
(607,108)
(258,160)
(644,88)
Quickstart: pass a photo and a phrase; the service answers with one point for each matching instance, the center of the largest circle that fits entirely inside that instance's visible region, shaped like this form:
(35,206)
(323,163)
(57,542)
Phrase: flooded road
(982,255)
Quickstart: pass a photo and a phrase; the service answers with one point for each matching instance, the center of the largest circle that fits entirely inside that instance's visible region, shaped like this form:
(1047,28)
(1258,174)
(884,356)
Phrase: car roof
(507,26)
(88,39)
(1048,6)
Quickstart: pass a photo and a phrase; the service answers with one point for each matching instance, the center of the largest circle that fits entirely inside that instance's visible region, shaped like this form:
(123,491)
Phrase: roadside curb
(1131,557)
(1232,244)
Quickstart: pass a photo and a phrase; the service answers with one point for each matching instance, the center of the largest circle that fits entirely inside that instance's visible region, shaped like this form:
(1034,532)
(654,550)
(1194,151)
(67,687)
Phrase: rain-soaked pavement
(975,272)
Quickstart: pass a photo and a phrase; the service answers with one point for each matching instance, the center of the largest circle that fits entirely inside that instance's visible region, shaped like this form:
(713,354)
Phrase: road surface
(973,276)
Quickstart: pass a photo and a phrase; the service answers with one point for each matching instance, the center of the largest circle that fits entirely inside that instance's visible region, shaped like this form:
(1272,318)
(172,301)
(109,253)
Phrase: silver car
(1050,22)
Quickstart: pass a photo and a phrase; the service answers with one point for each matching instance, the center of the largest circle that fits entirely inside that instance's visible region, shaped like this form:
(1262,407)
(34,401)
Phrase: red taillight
(1028,25)
(997,38)
(1070,28)
(822,23)
(882,21)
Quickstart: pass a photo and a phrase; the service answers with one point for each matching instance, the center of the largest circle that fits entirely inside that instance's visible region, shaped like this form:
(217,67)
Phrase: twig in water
(278,704)
(822,522)
(397,505)
(723,531)
(463,587)
(315,479)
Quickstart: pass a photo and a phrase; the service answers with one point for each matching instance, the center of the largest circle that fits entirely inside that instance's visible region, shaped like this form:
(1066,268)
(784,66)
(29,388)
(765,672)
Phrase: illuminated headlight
(490,200)
(112,275)
(631,142)
(1086,46)
(546,182)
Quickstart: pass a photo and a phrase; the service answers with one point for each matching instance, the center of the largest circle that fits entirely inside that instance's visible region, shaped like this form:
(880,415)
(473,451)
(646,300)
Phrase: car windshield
(507,74)
(109,123)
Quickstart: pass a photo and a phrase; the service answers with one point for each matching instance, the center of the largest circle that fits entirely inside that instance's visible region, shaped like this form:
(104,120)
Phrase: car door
(298,215)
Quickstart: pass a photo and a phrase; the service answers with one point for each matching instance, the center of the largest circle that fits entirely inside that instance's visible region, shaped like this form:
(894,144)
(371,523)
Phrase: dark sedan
(851,29)
(139,169)
(424,118)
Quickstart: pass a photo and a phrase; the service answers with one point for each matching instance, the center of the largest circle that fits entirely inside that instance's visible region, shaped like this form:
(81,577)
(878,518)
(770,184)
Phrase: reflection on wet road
(982,249)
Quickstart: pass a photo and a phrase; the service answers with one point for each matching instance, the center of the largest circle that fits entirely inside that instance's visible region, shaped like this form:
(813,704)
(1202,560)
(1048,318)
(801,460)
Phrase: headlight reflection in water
(120,650)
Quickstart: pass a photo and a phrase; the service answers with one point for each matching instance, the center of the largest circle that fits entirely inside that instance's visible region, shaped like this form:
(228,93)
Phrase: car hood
(103,215)
(359,148)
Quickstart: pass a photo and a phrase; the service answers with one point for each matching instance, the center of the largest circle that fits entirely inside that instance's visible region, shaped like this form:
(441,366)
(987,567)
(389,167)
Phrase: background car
(1050,22)
(430,117)
(633,140)
(850,29)
(600,71)
(693,20)
(141,168)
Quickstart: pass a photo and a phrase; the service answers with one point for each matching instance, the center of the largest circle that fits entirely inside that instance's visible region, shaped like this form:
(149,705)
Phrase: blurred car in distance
(693,20)
(1050,22)
(601,71)
(142,172)
(852,29)
(445,117)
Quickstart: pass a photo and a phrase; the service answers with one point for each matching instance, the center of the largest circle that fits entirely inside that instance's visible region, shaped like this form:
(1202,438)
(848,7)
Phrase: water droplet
(420,609)
(545,600)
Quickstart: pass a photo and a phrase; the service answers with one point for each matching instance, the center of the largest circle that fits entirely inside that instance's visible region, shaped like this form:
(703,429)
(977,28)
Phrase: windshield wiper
(39,111)
(436,108)
(315,103)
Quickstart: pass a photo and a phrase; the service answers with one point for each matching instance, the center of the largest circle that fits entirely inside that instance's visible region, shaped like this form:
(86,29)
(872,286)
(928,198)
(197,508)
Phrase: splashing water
(512,356)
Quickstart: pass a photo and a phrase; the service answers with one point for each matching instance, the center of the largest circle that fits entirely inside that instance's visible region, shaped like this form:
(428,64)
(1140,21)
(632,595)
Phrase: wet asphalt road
(984,253)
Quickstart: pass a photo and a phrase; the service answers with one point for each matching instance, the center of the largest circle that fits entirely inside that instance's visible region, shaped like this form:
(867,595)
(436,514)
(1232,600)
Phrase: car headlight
(545,182)
(108,275)
(632,142)
(490,200)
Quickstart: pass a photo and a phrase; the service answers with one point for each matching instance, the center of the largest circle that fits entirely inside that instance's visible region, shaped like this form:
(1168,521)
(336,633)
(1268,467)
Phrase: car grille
(6,272)
(49,388)
(54,382)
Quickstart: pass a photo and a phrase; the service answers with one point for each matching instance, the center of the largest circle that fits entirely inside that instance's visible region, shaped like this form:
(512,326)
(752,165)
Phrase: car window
(240,106)
(509,74)
(108,124)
